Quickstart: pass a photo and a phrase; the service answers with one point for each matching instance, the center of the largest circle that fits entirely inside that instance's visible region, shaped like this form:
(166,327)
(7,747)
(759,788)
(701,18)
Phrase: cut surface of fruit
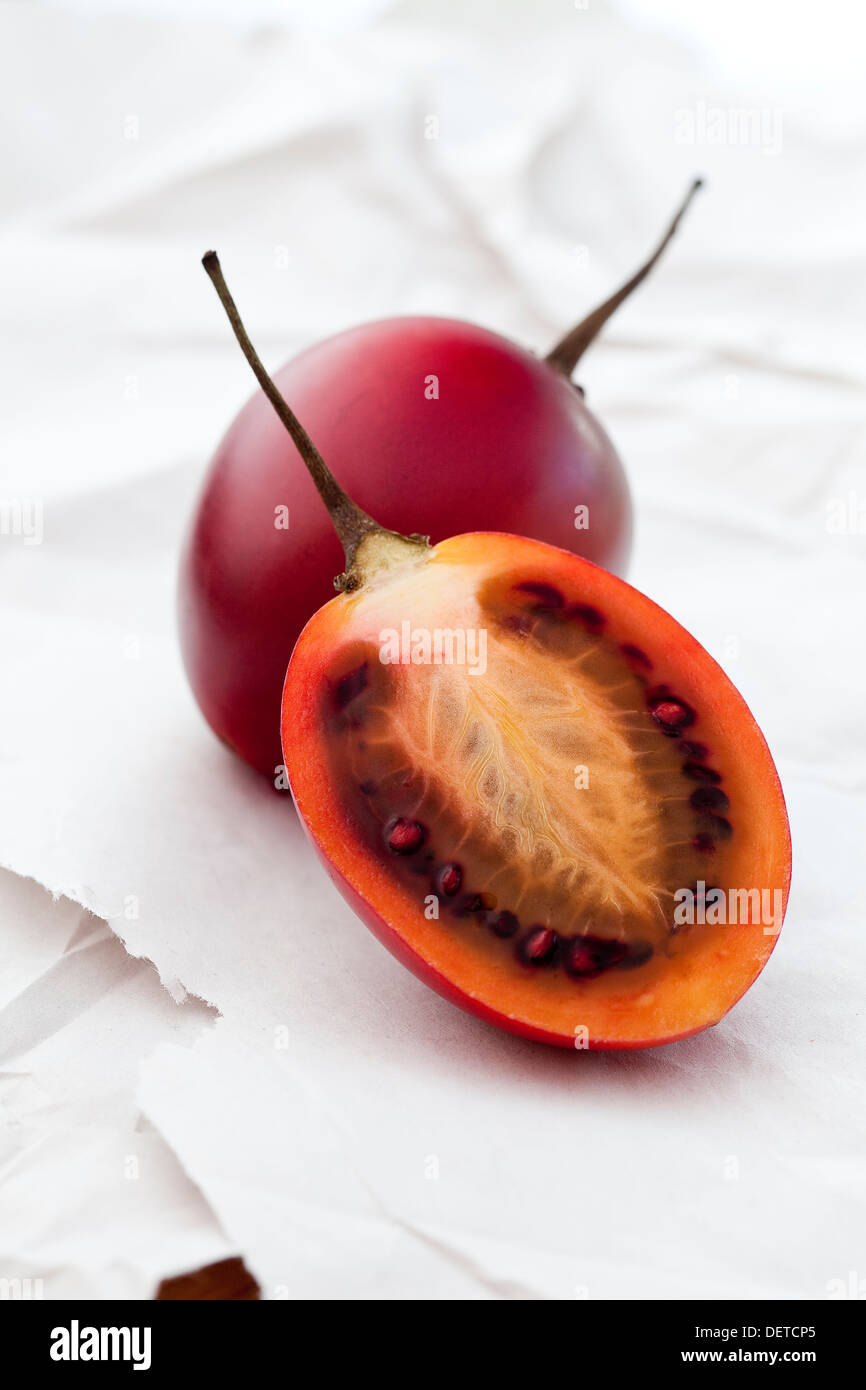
(540,792)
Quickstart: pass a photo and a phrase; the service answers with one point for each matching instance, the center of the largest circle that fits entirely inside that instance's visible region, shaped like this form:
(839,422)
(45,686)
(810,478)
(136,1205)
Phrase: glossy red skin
(508,446)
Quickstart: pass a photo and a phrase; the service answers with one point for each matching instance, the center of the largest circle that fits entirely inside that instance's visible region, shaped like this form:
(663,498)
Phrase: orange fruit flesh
(517,769)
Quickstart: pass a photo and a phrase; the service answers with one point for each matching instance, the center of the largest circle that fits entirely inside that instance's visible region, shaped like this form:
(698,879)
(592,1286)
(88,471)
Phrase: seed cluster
(582,957)
(709,801)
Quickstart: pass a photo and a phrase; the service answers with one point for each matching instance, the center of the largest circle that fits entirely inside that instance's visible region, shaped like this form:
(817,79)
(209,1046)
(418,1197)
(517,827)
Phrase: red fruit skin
(509,445)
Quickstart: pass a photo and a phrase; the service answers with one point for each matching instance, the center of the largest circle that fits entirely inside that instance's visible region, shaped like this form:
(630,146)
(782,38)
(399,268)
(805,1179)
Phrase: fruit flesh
(516,835)
(506,441)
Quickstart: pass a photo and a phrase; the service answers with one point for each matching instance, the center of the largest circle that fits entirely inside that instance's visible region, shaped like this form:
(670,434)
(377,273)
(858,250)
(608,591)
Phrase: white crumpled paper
(353,1134)
(94,1203)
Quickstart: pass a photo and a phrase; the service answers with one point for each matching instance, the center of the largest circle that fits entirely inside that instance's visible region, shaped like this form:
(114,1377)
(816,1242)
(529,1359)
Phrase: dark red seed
(704,843)
(675,712)
(699,772)
(349,687)
(449,879)
(672,716)
(638,953)
(719,827)
(698,751)
(588,616)
(538,947)
(403,836)
(547,595)
(635,655)
(502,923)
(368,788)
(470,903)
(588,956)
(709,799)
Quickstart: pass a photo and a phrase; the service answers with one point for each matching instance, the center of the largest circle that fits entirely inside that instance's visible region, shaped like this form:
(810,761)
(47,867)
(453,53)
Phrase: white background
(202,1050)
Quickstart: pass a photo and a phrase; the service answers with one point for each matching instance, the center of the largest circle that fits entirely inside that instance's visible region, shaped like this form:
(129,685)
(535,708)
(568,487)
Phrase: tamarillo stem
(565,356)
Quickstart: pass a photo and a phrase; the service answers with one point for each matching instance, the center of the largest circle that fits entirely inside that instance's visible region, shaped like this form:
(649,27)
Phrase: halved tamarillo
(541,794)
(498,438)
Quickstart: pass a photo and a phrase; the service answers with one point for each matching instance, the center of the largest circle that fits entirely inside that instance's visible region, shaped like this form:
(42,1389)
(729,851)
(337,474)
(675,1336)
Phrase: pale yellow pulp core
(544,777)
